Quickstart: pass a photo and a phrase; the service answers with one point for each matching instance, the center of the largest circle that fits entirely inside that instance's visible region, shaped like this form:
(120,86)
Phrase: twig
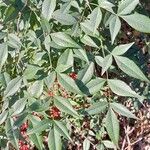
(124,143)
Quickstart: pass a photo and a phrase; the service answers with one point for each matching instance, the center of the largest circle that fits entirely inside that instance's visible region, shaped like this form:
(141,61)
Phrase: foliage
(62,63)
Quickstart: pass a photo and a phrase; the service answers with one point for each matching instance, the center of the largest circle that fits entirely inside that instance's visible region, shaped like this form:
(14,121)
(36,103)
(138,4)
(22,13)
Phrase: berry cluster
(23,146)
(23,130)
(57,89)
(55,113)
(50,93)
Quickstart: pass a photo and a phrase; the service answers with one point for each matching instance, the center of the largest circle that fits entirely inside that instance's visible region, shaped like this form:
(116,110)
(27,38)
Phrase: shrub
(67,67)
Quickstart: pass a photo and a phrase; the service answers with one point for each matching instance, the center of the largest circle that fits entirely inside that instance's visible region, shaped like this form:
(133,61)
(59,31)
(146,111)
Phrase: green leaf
(90,26)
(65,106)
(2,35)
(47,43)
(76,30)
(95,85)
(64,40)
(66,6)
(21,119)
(13,86)
(46,26)
(87,40)
(3,54)
(112,126)
(99,60)
(14,41)
(54,139)
(109,144)
(100,147)
(12,133)
(107,62)
(97,108)
(105,4)
(41,126)
(3,116)
(130,68)
(55,45)
(19,106)
(86,74)
(64,18)
(139,22)
(81,54)
(33,38)
(95,19)
(62,129)
(50,79)
(30,71)
(121,49)
(68,83)
(86,26)
(86,144)
(4,79)
(39,106)
(11,13)
(65,61)
(127,6)
(37,140)
(48,8)
(114,27)
(121,88)
(38,58)
(36,88)
(76,5)
(34,120)
(119,108)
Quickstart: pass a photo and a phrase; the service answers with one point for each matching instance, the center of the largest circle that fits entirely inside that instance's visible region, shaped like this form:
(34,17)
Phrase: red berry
(24,147)
(73,75)
(23,130)
(24,134)
(21,143)
(64,94)
(50,93)
(24,126)
(55,112)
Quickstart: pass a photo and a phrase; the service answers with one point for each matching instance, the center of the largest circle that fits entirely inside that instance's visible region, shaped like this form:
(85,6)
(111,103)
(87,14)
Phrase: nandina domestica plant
(74,74)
